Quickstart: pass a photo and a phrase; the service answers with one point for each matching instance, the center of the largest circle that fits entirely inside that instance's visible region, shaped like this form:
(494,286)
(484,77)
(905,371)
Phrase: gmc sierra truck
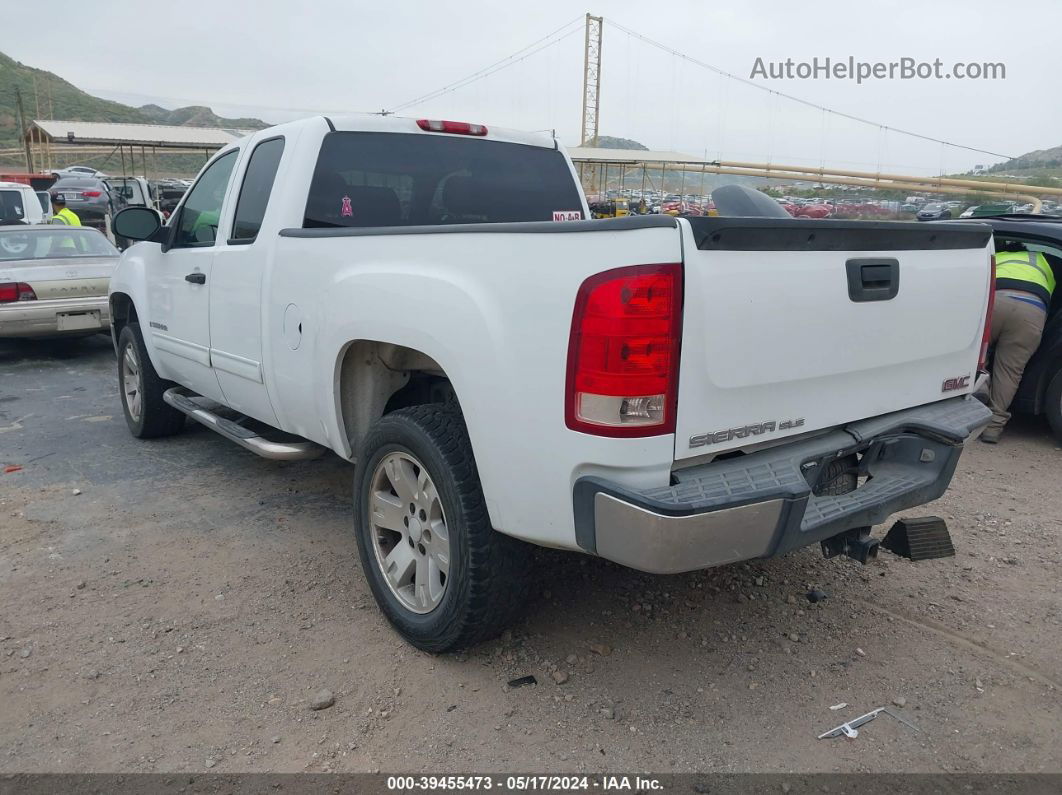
(430,301)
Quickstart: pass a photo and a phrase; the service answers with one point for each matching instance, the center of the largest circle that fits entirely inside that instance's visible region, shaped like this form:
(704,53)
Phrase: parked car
(814,211)
(610,208)
(170,192)
(988,210)
(53,281)
(1040,390)
(500,372)
(45,199)
(934,212)
(78,171)
(133,191)
(19,204)
(89,197)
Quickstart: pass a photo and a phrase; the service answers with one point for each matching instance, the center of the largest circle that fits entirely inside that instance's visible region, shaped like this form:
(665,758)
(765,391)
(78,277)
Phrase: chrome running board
(205,411)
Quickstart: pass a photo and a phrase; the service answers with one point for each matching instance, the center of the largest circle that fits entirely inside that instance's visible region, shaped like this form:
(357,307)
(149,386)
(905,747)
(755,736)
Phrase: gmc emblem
(951,384)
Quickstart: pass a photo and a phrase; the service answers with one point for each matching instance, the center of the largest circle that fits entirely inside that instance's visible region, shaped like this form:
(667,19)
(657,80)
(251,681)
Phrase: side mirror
(138,223)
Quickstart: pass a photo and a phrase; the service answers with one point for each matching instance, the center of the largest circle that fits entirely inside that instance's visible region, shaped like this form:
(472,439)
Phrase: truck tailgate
(794,325)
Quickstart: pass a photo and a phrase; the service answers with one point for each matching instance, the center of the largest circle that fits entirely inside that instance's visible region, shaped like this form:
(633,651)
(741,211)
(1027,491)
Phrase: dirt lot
(173,605)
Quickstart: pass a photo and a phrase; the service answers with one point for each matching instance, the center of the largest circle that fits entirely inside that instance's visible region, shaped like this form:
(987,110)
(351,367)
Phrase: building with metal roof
(155,136)
(49,141)
(593,154)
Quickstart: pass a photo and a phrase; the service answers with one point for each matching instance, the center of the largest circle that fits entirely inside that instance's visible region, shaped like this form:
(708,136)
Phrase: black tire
(157,417)
(485,587)
(1053,404)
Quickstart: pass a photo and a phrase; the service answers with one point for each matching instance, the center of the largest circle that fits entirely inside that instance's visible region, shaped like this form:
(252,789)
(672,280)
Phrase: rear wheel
(1053,404)
(146,413)
(440,573)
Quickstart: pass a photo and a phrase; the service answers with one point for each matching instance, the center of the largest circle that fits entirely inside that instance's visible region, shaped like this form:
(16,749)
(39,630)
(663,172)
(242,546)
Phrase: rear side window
(388,179)
(254,193)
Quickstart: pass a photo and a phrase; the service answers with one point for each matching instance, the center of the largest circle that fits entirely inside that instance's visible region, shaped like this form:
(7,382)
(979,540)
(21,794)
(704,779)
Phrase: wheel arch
(374,378)
(123,312)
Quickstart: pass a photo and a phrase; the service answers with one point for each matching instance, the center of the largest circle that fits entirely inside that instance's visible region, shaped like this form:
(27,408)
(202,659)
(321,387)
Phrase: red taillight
(623,354)
(986,337)
(92,194)
(10,292)
(456,127)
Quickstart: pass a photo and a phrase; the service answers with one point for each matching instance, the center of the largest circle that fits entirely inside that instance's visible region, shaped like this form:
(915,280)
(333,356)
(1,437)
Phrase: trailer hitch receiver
(856,544)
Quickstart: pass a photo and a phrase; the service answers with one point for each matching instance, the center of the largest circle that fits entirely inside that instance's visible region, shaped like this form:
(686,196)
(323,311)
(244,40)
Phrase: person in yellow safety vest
(62,214)
(1024,286)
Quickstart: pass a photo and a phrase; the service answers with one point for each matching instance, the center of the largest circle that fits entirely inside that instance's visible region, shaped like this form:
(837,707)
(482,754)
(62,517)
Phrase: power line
(497,66)
(724,73)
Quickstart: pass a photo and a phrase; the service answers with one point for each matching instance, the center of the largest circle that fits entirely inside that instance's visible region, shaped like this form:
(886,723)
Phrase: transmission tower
(591,79)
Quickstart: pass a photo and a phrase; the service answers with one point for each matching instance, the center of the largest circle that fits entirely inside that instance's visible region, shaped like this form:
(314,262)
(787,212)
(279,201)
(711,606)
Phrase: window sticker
(567,215)
(346,211)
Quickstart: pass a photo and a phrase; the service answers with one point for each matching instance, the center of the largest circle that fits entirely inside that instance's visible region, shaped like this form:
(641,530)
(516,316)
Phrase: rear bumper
(762,504)
(43,318)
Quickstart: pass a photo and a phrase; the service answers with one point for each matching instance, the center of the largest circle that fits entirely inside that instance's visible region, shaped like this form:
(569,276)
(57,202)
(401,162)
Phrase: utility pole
(22,130)
(591,79)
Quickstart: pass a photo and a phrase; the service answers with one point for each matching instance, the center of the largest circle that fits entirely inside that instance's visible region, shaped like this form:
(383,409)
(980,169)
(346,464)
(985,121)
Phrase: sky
(280,60)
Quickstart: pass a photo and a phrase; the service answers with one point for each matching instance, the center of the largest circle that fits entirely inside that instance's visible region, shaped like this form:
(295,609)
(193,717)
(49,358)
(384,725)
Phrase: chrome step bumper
(204,410)
(764,504)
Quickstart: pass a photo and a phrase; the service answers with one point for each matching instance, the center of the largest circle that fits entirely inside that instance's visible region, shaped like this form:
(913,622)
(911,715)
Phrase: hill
(56,98)
(1040,167)
(46,95)
(611,142)
(197,116)
(1040,158)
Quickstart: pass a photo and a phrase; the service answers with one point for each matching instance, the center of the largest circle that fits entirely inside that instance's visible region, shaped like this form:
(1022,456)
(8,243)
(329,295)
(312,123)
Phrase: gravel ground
(178,605)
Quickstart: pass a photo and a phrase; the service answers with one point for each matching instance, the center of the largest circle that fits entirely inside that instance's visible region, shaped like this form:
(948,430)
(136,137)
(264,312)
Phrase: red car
(681,208)
(814,211)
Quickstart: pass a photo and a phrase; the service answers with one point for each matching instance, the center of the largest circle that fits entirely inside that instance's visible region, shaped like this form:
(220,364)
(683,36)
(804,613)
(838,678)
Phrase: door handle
(196,278)
(873,279)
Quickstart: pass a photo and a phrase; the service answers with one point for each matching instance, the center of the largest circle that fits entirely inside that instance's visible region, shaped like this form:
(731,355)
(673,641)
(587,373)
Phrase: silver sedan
(53,281)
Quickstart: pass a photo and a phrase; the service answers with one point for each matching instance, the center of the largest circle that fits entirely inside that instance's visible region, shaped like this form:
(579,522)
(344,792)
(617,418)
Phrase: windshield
(128,189)
(11,207)
(48,244)
(388,179)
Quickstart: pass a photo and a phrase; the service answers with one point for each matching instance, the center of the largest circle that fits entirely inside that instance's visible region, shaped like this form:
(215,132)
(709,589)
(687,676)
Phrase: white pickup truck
(422,298)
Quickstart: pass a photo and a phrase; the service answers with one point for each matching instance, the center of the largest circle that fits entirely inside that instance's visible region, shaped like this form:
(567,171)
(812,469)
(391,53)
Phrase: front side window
(387,179)
(201,213)
(254,193)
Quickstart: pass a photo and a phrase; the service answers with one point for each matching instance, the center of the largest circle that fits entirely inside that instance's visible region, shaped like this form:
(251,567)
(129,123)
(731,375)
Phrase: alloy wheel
(409,533)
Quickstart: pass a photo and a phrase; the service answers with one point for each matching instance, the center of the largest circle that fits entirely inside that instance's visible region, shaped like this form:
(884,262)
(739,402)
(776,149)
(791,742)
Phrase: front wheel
(1053,404)
(146,413)
(440,573)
